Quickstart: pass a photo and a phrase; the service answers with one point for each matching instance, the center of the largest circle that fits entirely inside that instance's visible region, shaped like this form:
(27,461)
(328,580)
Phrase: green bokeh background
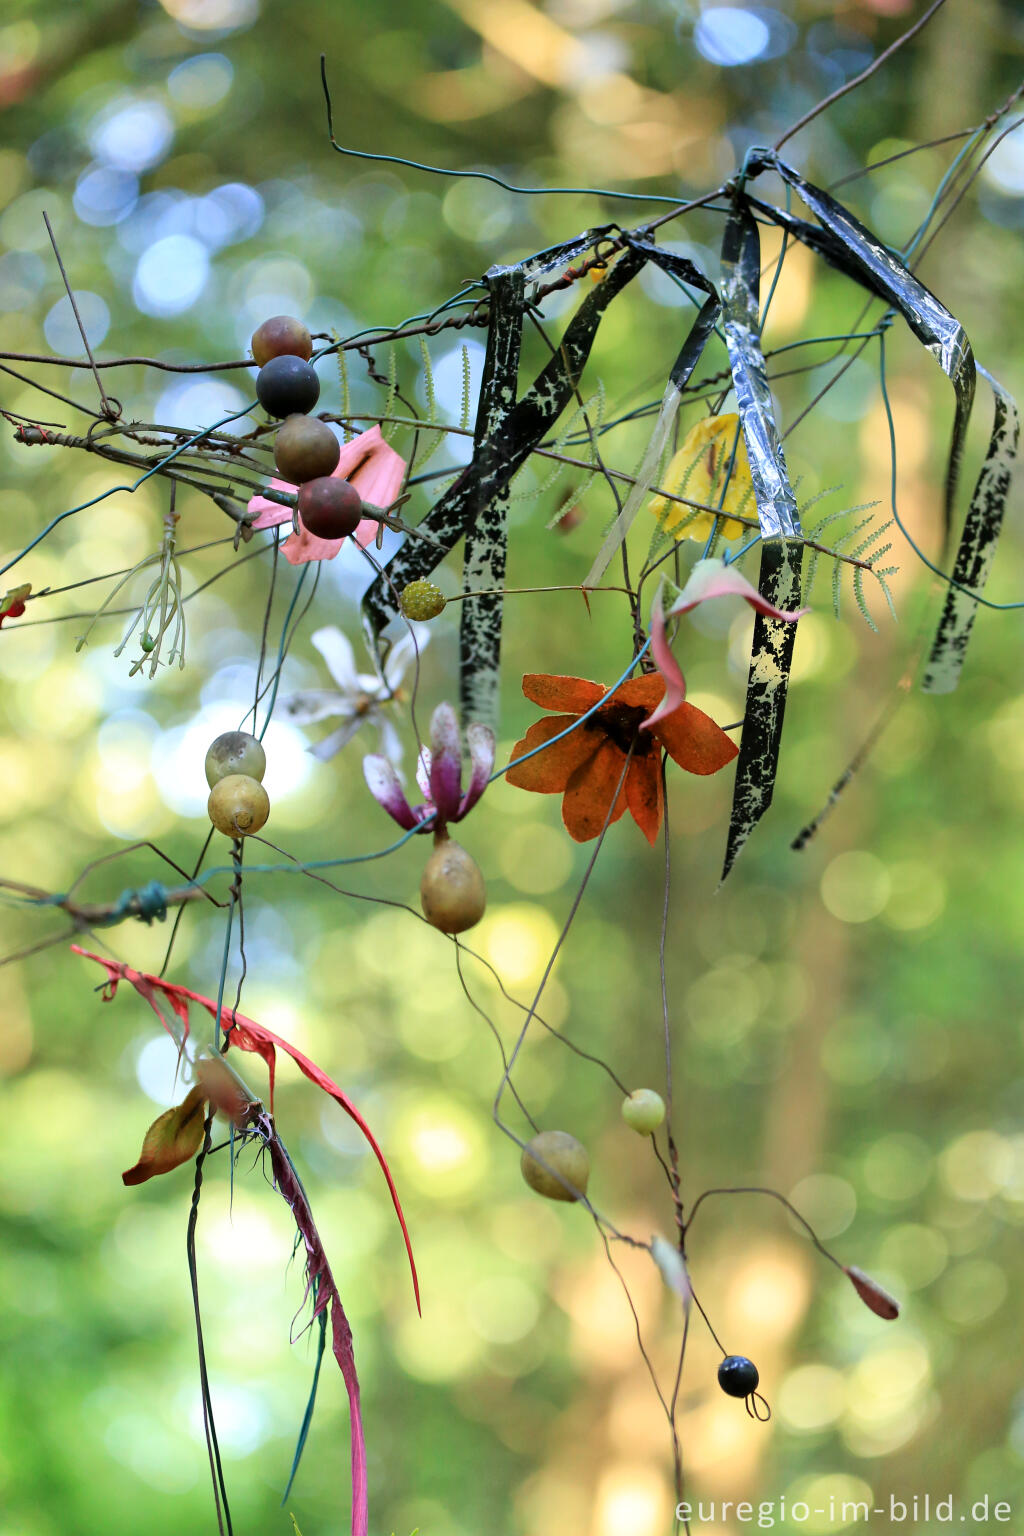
(846,1022)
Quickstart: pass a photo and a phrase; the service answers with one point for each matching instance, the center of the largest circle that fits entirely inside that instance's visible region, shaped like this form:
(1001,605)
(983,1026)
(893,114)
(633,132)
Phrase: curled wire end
(758,1407)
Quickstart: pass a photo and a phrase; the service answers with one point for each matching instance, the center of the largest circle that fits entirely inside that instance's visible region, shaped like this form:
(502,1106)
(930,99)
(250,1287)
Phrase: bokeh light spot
(730,35)
(855,887)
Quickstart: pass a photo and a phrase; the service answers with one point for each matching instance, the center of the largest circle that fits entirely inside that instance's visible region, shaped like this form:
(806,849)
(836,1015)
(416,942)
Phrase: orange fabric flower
(586,766)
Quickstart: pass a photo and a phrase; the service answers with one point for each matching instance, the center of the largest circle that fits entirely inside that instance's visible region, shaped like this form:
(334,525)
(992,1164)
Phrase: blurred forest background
(847,1020)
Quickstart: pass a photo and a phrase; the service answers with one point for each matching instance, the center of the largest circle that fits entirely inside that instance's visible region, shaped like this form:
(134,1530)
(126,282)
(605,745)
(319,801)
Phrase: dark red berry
(287,385)
(305,449)
(329,507)
(738,1376)
(281,335)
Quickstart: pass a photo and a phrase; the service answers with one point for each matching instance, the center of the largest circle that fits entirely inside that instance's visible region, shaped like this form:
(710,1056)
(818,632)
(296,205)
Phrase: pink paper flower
(369,464)
(707,579)
(439,775)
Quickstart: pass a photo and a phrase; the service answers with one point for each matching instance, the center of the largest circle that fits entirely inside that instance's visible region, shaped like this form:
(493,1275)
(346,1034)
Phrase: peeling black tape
(741,268)
(498,458)
(689,355)
(852,248)
(767,684)
(982,527)
(486,547)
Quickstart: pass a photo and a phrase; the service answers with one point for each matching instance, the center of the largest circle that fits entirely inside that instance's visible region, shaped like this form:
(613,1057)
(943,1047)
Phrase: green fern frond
(428,380)
(346,394)
(862,602)
(466,389)
(389,404)
(810,571)
(534,492)
(812,501)
(574,499)
(433,442)
(880,578)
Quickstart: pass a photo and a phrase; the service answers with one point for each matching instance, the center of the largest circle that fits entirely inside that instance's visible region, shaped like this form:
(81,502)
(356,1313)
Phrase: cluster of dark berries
(306,451)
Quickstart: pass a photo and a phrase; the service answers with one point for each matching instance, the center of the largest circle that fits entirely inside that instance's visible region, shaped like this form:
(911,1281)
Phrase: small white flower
(357,697)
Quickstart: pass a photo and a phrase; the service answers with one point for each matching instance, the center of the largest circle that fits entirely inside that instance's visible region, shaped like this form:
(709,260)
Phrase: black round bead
(738,1376)
(287,386)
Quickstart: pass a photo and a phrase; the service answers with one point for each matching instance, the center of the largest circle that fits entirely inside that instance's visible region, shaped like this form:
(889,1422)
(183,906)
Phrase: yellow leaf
(172,1139)
(698,471)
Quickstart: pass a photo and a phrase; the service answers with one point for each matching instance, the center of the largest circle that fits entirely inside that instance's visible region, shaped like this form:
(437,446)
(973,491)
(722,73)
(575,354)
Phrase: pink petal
(386,788)
(302,546)
(675,682)
(376,471)
(271,513)
(373,467)
(366,531)
(445,763)
(713,578)
(481,744)
(423,772)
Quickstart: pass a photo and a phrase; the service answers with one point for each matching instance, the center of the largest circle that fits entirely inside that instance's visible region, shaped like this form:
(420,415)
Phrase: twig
(108,409)
(851,85)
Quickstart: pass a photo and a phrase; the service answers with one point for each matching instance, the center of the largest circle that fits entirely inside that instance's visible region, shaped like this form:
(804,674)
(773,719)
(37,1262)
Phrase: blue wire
(129,489)
(918,551)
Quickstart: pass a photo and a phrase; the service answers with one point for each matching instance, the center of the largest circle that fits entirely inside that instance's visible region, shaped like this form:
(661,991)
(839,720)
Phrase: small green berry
(421,600)
(644,1111)
(147,642)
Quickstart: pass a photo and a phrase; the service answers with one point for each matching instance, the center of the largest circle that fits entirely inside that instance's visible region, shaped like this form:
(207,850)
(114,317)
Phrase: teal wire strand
(281,648)
(224,970)
(984,602)
(128,489)
(426,823)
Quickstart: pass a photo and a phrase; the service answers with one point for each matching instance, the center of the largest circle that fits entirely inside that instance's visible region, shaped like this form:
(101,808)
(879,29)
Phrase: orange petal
(548,773)
(573,694)
(694,740)
(641,692)
(643,794)
(592,789)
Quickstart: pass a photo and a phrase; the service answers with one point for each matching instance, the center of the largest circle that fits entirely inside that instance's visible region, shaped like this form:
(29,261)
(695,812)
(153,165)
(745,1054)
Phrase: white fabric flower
(357,697)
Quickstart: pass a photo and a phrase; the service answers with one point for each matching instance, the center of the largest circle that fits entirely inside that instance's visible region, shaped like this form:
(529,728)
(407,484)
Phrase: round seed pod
(238,805)
(562,1153)
(148,643)
(305,449)
(452,892)
(329,507)
(235,752)
(738,1376)
(287,385)
(421,600)
(643,1111)
(281,336)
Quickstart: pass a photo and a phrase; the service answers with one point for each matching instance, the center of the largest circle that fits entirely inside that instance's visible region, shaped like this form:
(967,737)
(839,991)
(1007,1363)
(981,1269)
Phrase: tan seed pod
(235,752)
(238,805)
(452,892)
(563,1155)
